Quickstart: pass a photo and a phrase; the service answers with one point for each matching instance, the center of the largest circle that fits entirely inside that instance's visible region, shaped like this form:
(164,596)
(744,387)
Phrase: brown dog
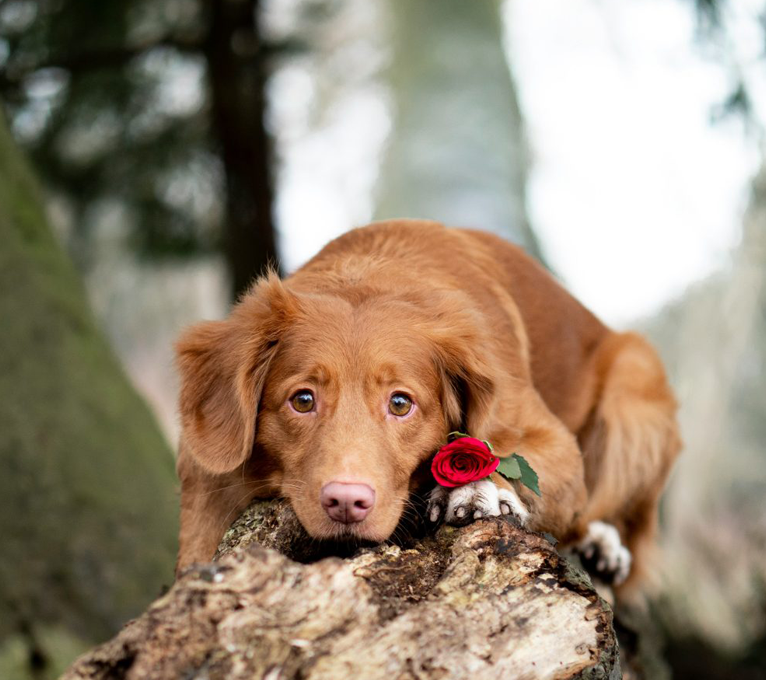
(335,387)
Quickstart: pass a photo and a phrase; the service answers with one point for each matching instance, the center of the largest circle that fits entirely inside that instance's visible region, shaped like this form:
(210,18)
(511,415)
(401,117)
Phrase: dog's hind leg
(629,444)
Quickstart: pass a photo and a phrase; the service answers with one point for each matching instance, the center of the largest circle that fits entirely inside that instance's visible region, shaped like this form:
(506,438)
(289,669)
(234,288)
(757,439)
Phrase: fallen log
(489,600)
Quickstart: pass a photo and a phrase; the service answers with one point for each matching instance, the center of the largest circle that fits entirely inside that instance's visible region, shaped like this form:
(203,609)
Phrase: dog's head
(341,399)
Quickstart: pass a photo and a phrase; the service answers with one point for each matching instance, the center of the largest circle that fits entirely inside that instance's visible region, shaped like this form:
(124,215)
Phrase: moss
(44,655)
(87,502)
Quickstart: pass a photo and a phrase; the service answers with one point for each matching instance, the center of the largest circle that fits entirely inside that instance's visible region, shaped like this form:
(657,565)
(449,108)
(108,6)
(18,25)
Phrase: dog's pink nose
(347,503)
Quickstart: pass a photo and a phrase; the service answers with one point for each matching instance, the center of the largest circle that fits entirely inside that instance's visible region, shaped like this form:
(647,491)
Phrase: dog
(334,388)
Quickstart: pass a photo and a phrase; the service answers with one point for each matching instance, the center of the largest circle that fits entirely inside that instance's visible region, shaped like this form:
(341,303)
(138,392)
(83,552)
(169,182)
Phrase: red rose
(464,460)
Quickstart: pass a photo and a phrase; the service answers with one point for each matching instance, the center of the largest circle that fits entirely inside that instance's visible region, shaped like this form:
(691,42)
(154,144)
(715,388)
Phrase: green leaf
(456,435)
(489,446)
(516,467)
(528,476)
(509,468)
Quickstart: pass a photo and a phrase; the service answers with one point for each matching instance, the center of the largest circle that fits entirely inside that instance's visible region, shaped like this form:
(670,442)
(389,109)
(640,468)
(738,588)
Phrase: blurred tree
(153,106)
(87,493)
(719,31)
(458,150)
(235,58)
(713,341)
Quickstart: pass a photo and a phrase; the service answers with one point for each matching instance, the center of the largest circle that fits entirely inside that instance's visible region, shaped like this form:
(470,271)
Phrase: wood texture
(485,601)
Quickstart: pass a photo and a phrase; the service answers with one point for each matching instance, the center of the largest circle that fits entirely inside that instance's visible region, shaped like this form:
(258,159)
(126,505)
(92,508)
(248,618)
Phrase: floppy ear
(469,390)
(223,367)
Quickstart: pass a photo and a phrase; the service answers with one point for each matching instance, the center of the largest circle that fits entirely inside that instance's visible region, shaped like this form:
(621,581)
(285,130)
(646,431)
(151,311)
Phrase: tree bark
(457,151)
(87,486)
(236,63)
(486,601)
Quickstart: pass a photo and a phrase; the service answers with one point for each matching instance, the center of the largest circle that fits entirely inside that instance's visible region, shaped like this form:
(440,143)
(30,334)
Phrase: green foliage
(89,90)
(87,502)
(709,12)
(42,656)
(716,20)
(517,467)
(509,468)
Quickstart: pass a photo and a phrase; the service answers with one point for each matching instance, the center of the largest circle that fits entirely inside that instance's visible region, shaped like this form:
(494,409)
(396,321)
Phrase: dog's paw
(464,504)
(603,553)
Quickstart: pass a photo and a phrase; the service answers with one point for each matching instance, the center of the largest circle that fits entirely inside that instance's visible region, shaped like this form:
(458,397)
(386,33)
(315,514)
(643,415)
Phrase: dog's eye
(399,404)
(303,401)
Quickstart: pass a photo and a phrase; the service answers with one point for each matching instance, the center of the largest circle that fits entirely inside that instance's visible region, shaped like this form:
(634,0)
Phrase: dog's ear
(470,392)
(223,367)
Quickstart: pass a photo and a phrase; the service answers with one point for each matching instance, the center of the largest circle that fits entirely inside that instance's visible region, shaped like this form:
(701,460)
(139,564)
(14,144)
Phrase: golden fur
(481,336)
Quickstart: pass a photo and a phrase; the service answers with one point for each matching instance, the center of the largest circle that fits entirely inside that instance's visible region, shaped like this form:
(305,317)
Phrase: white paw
(603,548)
(473,501)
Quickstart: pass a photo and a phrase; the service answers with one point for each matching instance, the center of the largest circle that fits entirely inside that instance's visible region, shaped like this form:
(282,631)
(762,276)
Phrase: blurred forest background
(174,148)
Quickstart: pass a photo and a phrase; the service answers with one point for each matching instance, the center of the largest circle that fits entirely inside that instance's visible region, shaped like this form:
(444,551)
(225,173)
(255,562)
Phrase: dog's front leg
(550,449)
(209,504)
(489,497)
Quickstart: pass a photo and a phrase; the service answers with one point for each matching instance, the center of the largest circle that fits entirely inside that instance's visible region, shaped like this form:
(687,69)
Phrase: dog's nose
(347,503)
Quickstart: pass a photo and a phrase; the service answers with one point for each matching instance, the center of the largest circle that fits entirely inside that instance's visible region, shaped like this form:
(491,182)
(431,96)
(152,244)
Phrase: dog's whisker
(233,486)
(255,485)
(236,507)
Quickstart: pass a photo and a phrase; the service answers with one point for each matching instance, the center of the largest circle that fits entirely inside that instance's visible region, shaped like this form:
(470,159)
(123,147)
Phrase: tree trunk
(486,601)
(457,151)
(87,503)
(713,341)
(236,64)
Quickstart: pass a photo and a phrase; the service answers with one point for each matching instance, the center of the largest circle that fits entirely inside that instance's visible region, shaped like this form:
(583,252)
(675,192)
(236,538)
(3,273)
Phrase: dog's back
(561,335)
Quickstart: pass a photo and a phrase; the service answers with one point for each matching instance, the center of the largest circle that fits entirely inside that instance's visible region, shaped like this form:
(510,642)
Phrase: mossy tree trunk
(87,502)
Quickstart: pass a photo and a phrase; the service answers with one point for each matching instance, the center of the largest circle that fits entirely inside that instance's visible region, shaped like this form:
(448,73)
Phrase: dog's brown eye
(400,404)
(303,401)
